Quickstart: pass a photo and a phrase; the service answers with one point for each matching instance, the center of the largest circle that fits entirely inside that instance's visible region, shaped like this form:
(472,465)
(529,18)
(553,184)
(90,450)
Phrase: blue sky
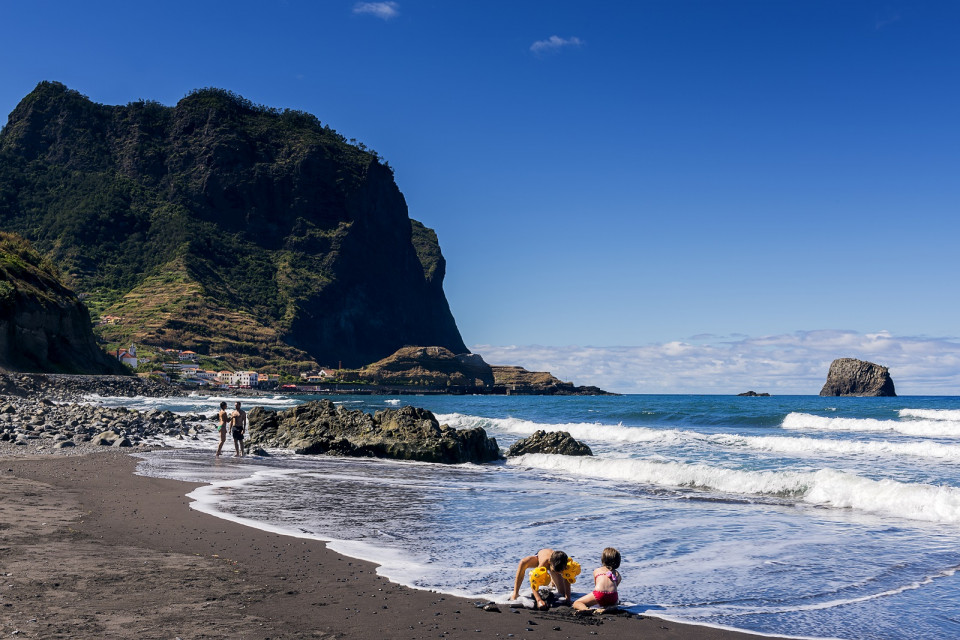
(645,196)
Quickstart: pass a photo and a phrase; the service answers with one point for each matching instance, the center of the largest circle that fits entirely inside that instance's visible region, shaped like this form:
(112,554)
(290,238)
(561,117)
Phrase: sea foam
(826,487)
(579,430)
(940,428)
(795,446)
(952,415)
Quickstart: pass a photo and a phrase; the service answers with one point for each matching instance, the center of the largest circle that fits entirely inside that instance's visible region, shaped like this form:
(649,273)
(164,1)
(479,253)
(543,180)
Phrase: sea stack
(852,377)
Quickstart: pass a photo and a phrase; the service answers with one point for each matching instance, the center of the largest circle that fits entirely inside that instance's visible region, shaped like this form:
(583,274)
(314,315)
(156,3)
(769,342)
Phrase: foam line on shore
(391,564)
(826,487)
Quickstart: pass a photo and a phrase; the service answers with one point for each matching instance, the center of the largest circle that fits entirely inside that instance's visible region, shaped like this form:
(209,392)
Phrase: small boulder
(106,438)
(556,442)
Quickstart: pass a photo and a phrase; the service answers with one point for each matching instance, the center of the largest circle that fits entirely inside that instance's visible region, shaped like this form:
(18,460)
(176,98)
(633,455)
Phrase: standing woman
(224,419)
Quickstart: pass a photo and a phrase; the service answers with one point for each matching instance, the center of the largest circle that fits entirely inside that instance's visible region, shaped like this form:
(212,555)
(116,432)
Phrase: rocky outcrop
(408,433)
(556,442)
(852,377)
(511,380)
(43,326)
(435,367)
(218,225)
(754,394)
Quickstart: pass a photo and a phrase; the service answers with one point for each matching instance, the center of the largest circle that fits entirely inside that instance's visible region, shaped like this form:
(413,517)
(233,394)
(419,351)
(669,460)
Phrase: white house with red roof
(128,356)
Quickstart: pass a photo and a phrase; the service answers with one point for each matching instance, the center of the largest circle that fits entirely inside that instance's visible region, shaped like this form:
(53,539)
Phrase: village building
(128,356)
(318,376)
(245,378)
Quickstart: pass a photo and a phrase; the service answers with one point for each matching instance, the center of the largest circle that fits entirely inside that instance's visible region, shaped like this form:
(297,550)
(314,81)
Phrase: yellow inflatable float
(540,577)
(572,571)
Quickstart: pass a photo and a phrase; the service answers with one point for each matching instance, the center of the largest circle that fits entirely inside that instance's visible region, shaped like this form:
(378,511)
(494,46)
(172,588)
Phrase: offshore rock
(557,442)
(408,433)
(852,377)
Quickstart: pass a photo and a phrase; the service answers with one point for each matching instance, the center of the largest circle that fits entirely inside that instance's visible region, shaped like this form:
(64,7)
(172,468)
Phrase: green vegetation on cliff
(223,227)
(43,326)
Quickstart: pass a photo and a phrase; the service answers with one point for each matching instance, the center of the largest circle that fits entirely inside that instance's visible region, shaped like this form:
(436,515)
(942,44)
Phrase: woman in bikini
(223,418)
(606,579)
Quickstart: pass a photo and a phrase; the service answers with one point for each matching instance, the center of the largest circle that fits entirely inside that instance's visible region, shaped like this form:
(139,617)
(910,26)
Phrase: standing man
(238,422)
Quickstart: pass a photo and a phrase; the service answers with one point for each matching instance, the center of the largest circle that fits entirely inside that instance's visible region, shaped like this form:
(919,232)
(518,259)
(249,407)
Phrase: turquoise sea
(794,515)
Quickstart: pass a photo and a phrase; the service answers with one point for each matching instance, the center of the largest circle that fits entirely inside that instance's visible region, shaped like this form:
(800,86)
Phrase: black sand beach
(90,550)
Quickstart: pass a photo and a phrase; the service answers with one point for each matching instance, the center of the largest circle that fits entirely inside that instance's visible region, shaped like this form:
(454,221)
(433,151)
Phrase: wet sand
(90,550)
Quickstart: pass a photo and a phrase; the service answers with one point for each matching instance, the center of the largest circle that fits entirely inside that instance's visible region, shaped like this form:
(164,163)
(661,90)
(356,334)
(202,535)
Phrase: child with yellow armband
(548,566)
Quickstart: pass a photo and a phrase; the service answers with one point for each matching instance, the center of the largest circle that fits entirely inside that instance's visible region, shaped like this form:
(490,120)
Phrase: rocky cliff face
(851,377)
(222,226)
(43,326)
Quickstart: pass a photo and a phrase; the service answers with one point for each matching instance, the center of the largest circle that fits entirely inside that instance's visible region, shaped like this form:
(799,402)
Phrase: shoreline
(92,549)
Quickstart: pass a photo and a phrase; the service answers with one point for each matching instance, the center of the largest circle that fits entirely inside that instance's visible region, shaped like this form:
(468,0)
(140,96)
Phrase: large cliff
(852,377)
(43,326)
(223,227)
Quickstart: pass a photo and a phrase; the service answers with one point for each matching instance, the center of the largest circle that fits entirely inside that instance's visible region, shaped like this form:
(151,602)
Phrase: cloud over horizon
(382,10)
(554,43)
(795,363)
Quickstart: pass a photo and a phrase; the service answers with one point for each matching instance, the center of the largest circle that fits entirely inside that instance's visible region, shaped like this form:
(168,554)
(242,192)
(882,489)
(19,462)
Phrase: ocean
(794,515)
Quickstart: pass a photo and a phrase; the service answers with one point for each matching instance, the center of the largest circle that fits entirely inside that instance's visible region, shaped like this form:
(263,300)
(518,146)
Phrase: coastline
(90,549)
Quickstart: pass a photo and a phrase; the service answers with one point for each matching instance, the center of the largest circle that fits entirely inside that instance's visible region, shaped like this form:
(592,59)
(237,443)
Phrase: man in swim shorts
(238,423)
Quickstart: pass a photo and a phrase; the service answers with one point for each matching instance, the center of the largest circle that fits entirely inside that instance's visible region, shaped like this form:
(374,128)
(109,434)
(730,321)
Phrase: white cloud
(382,10)
(795,363)
(554,43)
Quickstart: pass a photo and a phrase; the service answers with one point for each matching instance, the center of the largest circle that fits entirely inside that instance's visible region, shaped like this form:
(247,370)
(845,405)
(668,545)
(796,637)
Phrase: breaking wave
(826,487)
(952,415)
(926,428)
(795,446)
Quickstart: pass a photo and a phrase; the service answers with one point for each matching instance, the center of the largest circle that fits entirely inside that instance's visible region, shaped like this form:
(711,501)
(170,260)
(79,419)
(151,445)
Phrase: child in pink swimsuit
(606,579)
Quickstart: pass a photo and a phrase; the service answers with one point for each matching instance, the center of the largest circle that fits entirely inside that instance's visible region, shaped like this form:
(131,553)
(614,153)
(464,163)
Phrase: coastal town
(184,367)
